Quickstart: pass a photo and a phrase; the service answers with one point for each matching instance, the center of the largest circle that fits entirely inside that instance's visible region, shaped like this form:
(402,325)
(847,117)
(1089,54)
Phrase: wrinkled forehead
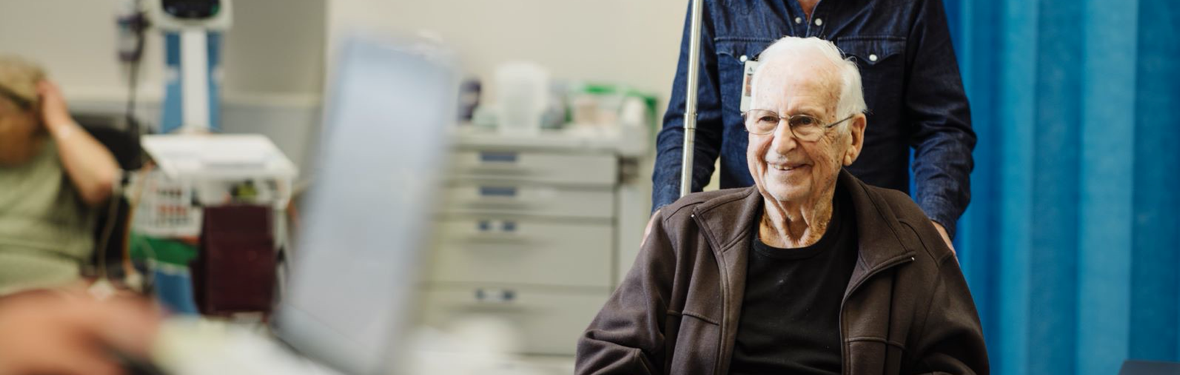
(787,79)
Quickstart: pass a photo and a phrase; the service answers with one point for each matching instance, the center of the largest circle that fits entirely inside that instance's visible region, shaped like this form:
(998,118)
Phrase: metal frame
(690,106)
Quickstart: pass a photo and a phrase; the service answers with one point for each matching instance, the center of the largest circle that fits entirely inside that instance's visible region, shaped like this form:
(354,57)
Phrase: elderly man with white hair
(810,271)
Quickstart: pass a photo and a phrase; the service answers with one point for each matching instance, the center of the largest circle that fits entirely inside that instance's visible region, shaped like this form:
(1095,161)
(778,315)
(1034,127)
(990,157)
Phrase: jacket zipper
(873,273)
(724,294)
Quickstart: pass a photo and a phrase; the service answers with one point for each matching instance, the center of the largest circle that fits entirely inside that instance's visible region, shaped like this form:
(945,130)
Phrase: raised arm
(91,167)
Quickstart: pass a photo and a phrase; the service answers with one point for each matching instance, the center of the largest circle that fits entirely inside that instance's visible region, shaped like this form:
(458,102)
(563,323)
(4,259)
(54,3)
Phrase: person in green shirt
(52,176)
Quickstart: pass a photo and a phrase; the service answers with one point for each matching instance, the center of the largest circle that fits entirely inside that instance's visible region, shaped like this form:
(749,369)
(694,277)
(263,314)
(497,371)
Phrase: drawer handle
(490,226)
(495,296)
(498,197)
(497,232)
(498,163)
(498,157)
(498,191)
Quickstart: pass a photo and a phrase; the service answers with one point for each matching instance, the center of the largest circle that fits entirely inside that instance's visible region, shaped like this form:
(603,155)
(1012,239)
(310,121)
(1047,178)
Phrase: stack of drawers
(527,235)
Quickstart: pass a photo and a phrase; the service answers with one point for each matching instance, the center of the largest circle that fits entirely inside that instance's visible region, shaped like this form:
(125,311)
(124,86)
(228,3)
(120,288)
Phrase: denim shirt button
(798,19)
(819,22)
(743,58)
(872,57)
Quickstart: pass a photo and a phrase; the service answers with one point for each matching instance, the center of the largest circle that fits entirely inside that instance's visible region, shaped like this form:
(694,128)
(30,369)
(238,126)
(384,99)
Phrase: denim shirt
(911,85)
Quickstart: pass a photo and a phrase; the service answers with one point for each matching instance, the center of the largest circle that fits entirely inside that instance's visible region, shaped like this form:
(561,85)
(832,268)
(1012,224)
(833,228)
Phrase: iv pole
(690,106)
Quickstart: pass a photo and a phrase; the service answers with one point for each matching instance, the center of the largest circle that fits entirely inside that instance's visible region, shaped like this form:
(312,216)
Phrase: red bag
(234,271)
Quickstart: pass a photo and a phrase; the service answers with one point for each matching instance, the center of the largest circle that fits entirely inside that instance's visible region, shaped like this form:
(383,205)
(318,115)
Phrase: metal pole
(690,106)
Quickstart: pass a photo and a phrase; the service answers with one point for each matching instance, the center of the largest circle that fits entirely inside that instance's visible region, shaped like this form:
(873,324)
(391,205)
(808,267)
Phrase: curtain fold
(1071,244)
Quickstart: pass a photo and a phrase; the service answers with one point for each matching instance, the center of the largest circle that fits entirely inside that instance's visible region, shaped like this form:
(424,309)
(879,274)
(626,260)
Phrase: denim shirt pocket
(730,64)
(873,50)
(882,64)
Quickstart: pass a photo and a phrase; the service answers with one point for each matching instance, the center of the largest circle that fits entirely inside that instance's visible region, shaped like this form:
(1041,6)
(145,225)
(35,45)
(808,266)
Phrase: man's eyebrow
(807,110)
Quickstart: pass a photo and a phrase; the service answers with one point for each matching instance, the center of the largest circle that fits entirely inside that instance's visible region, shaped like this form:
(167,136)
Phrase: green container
(162,250)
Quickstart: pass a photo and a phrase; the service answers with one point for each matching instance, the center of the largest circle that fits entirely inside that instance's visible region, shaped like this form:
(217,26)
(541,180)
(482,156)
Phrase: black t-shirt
(790,321)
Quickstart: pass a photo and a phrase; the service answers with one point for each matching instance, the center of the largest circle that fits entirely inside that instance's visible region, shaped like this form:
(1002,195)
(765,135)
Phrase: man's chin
(786,193)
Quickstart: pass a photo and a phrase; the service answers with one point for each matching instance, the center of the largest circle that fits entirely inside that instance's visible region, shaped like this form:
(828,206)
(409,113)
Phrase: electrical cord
(133,202)
(109,228)
(139,25)
(133,85)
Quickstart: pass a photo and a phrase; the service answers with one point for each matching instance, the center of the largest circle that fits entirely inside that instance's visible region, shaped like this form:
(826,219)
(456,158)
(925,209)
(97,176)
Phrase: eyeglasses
(805,127)
(20,102)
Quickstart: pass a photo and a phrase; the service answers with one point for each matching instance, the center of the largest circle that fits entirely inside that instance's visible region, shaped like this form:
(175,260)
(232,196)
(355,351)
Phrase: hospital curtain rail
(1070,243)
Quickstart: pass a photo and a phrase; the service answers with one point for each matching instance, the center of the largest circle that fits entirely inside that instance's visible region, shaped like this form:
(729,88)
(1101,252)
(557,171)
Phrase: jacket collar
(728,223)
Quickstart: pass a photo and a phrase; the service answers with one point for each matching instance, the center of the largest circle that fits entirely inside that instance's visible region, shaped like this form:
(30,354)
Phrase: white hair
(852,98)
(18,79)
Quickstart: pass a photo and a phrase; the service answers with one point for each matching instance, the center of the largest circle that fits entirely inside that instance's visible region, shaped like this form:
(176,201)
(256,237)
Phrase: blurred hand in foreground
(71,333)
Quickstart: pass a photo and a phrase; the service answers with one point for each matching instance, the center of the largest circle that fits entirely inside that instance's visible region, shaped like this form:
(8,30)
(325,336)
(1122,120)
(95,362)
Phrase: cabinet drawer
(517,199)
(548,321)
(535,167)
(515,251)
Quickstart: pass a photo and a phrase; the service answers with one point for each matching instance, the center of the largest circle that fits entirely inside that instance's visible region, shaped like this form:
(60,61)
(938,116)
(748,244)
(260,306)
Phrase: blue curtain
(1071,242)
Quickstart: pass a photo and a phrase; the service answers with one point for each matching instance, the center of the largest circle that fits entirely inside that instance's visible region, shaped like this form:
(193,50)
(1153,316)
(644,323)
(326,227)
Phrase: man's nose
(784,140)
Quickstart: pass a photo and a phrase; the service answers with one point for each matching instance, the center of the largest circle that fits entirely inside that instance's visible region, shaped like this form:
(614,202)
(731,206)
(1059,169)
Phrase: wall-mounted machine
(192,41)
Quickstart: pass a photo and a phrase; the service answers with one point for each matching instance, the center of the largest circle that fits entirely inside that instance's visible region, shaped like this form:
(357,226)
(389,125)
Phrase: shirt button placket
(816,27)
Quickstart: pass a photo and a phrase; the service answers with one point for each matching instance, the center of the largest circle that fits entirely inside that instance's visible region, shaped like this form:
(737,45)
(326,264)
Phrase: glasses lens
(805,127)
(761,121)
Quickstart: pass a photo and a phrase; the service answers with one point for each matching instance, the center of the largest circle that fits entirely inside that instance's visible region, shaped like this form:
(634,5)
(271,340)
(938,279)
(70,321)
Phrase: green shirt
(45,228)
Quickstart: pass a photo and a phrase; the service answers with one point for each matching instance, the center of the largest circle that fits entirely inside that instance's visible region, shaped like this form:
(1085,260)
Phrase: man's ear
(856,138)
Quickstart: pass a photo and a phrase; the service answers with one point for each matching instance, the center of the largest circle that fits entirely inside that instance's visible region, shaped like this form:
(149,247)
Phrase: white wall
(75,41)
(274,48)
(634,42)
(272,59)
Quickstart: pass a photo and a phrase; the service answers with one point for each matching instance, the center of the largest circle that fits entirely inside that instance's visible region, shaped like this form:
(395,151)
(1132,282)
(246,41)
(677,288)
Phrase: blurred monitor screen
(367,214)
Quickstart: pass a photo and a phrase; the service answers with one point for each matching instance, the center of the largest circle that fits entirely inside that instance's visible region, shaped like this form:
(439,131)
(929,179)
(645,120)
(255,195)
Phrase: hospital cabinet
(527,234)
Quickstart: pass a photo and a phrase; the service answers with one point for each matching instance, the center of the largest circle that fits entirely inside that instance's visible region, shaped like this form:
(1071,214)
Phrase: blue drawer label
(497,157)
(490,191)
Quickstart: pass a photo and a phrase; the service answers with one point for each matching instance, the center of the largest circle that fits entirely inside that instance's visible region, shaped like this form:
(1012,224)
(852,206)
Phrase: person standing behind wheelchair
(911,81)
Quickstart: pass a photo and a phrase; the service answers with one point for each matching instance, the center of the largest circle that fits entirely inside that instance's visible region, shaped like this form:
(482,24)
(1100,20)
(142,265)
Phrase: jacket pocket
(696,346)
(874,356)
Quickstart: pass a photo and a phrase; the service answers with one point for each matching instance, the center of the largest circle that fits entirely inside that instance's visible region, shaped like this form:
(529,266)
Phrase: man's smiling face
(785,168)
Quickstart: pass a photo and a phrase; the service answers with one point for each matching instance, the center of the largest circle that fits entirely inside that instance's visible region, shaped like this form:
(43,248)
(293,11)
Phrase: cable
(132,208)
(109,228)
(132,88)
(139,24)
